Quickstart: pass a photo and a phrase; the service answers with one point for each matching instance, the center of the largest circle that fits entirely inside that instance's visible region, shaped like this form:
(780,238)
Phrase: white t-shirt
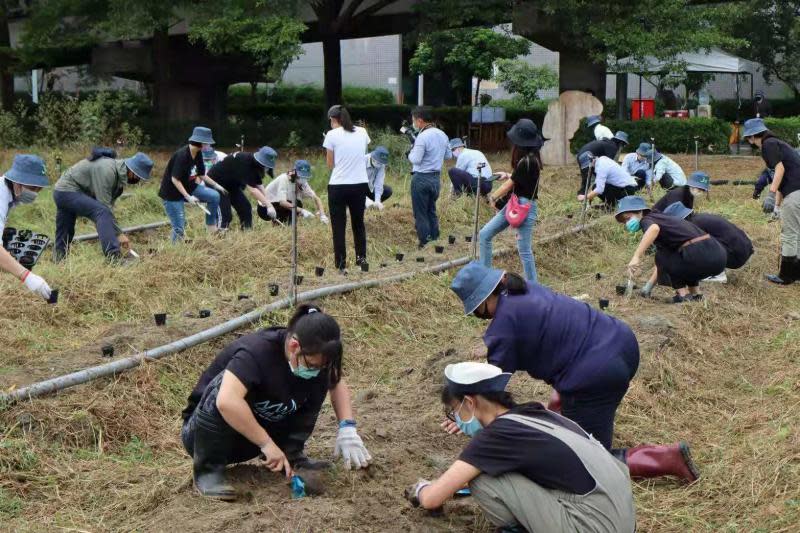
(349,149)
(5,202)
(602,132)
(469,159)
(280,189)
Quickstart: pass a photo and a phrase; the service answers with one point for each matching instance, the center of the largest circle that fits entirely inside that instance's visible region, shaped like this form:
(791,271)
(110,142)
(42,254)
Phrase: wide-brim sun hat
(380,155)
(202,135)
(585,159)
(631,204)
(678,210)
(471,377)
(622,137)
(593,120)
(474,283)
(29,170)
(303,169)
(141,165)
(456,143)
(644,149)
(699,180)
(208,153)
(266,157)
(754,126)
(525,133)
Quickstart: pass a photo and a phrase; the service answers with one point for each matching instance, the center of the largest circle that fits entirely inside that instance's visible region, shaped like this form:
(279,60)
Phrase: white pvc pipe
(115,367)
(131,229)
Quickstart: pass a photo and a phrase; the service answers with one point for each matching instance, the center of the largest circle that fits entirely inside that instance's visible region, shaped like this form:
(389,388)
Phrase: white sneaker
(719,278)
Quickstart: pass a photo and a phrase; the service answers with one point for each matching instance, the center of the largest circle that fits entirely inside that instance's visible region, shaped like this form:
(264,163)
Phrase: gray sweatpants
(790,225)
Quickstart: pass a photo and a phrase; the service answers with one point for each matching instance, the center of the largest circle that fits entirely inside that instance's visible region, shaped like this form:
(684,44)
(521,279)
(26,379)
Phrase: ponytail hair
(513,284)
(342,116)
(318,332)
(501,398)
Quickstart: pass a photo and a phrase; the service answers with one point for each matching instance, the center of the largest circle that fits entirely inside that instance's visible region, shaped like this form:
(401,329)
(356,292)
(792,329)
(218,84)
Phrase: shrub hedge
(671,135)
(785,128)
(723,109)
(307,94)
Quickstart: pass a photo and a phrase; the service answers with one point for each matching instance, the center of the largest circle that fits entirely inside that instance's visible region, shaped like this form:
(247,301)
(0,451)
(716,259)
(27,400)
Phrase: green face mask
(303,372)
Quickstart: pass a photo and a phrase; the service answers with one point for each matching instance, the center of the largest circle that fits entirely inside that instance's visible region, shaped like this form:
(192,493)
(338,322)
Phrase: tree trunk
(253,92)
(478,92)
(160,58)
(331,48)
(6,74)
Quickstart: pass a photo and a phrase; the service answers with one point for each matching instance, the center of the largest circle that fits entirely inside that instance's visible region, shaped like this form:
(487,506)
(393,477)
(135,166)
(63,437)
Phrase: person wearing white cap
(785,188)
(587,356)
(526,467)
(21,185)
(469,165)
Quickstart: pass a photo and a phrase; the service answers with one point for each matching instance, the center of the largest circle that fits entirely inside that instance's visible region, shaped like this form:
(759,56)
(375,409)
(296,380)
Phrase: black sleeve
(771,153)
(244,366)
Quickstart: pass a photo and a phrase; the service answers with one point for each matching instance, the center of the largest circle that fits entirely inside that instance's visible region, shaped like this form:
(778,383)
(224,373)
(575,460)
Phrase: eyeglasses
(324,366)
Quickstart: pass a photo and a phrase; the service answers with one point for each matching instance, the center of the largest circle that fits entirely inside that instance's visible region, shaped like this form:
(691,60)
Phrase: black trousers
(612,194)
(385,195)
(285,215)
(342,198)
(688,265)
(641,179)
(237,199)
(463,182)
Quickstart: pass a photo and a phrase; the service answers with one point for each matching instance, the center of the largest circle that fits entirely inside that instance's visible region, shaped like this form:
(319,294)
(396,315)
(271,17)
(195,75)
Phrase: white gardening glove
(305,213)
(37,285)
(350,446)
(378,205)
(369,203)
(192,199)
(271,213)
(323,218)
(222,190)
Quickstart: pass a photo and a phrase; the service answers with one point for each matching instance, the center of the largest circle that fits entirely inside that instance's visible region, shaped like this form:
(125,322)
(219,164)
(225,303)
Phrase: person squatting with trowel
(261,397)
(286,190)
(90,189)
(601,147)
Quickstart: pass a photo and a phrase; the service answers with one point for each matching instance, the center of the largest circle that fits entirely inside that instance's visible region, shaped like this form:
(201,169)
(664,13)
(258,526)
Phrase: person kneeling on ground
(240,172)
(283,190)
(262,395)
(376,178)
(178,185)
(698,184)
(606,147)
(89,189)
(737,244)
(666,172)
(19,186)
(611,182)
(785,187)
(587,356)
(684,252)
(527,467)
(638,166)
(469,165)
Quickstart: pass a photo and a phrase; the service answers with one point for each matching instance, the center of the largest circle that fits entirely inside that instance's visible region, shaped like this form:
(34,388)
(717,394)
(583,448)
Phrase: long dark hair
(512,284)
(503,398)
(318,332)
(342,115)
(521,152)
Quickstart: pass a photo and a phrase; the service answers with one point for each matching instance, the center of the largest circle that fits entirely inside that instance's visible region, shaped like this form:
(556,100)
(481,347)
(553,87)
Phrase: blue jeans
(177,216)
(425,188)
(524,239)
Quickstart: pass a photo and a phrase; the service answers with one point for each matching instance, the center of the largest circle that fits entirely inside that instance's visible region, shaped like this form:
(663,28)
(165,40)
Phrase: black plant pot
(399,257)
(384,265)
(621,289)
(160,318)
(468,238)
(298,280)
(273,289)
(26,261)
(598,276)
(243,297)
(108,351)
(205,313)
(439,249)
(364,267)
(319,271)
(451,239)
(53,297)
(603,303)
(420,259)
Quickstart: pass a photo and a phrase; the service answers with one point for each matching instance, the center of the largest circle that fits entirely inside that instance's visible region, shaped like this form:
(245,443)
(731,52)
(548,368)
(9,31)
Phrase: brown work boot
(648,460)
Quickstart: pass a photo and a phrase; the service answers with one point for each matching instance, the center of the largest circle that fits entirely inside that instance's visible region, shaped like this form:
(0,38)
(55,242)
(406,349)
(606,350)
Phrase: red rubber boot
(555,402)
(648,460)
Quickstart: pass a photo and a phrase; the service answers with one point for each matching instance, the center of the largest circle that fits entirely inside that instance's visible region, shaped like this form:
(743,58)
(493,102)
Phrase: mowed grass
(107,457)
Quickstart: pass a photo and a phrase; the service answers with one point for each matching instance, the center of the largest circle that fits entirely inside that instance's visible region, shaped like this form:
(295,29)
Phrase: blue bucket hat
(629,204)
(593,120)
(644,149)
(28,169)
(456,143)
(754,126)
(621,136)
(303,169)
(202,135)
(266,157)
(474,283)
(472,377)
(585,159)
(140,164)
(208,153)
(380,155)
(678,210)
(700,180)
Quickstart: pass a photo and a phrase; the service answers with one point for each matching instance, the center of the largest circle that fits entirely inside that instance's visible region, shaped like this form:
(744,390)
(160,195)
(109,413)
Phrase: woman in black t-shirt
(261,396)
(684,252)
(524,183)
(526,466)
(785,186)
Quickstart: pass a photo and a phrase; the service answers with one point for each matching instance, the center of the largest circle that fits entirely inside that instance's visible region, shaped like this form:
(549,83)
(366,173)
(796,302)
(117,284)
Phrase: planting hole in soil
(439,249)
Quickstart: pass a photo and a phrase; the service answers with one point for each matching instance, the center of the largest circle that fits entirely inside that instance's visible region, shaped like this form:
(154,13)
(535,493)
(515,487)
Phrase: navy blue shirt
(730,236)
(556,338)
(678,194)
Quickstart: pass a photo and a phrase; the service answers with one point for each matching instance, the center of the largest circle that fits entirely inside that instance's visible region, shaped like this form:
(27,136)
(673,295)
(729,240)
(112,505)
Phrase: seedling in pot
(205,313)
(399,257)
(273,289)
(319,271)
(598,276)
(160,318)
(53,297)
(364,267)
(108,350)
(439,249)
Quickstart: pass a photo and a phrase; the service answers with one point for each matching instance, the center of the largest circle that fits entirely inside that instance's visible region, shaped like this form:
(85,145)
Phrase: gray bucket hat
(754,126)
(629,204)
(474,283)
(202,135)
(644,149)
(266,157)
(140,164)
(380,155)
(593,120)
(700,180)
(621,136)
(456,143)
(677,210)
(303,169)
(28,169)
(585,159)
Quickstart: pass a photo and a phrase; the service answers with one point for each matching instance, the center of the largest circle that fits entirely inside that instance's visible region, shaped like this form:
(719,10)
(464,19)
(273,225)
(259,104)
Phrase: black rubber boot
(788,273)
(212,444)
(302,462)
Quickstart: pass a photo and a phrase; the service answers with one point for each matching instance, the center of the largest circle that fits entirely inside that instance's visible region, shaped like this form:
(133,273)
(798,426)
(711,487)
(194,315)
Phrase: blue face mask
(469,428)
(633,225)
(303,372)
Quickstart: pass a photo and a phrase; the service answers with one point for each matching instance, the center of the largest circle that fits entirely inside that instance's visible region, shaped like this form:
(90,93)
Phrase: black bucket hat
(525,133)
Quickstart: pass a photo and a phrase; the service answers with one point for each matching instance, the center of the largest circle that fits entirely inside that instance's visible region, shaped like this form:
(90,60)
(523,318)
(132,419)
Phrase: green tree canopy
(525,80)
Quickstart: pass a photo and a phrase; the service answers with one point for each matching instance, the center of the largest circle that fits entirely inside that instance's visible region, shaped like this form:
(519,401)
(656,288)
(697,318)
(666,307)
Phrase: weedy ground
(106,456)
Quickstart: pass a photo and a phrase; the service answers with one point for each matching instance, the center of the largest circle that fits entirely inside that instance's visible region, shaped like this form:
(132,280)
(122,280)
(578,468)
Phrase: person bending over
(240,172)
(379,192)
(469,165)
(287,189)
